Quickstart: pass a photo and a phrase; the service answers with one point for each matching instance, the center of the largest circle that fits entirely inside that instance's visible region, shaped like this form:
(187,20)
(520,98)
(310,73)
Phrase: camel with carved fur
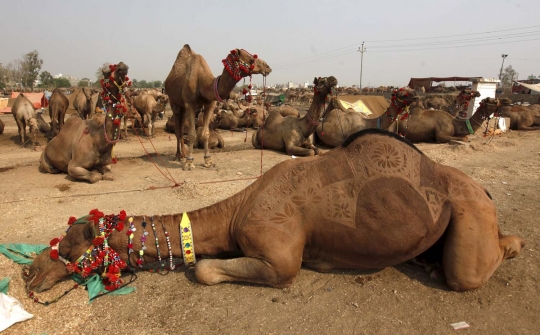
(191,86)
(83,148)
(321,212)
(291,134)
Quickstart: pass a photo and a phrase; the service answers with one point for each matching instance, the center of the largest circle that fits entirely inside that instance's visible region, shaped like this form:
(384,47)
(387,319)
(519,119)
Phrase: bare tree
(509,75)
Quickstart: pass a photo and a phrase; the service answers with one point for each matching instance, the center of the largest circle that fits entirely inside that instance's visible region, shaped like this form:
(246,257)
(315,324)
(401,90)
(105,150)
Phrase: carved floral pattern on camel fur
(374,202)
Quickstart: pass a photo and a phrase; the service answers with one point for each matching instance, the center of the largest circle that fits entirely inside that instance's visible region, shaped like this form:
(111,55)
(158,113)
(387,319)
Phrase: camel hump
(185,52)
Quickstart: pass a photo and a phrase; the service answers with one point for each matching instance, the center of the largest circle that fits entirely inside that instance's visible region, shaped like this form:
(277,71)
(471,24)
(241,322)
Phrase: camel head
(240,63)
(404,97)
(80,250)
(33,125)
(324,85)
(488,106)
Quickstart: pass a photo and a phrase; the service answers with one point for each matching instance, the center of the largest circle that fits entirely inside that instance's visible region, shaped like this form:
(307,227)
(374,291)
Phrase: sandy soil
(396,300)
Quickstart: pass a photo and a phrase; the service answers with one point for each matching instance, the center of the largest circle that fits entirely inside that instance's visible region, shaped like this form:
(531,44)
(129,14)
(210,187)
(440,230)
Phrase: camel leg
(192,136)
(205,135)
(45,165)
(520,127)
(22,130)
(474,248)
(275,264)
(442,138)
(80,173)
(298,151)
(106,171)
(179,115)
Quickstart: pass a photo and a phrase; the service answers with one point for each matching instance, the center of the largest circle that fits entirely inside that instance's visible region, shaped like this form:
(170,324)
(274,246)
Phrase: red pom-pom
(130,245)
(54,241)
(114,160)
(54,254)
(111,67)
(122,215)
(322,133)
(98,240)
(251,67)
(255,56)
(117,122)
(249,86)
(71,220)
(244,91)
(127,78)
(139,261)
(120,226)
(233,51)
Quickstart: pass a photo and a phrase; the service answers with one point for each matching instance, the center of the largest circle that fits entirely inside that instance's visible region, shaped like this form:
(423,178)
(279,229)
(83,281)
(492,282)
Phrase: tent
(533,87)
(372,106)
(275,98)
(427,82)
(38,100)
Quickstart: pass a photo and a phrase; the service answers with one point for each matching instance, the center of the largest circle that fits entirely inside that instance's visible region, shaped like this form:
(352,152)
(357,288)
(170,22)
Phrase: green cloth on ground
(23,254)
(4,285)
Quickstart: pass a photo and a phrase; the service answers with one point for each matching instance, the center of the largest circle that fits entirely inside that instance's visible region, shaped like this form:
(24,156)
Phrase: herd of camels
(383,203)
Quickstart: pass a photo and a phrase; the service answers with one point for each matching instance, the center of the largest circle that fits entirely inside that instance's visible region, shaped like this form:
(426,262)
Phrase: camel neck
(212,228)
(311,119)
(225,85)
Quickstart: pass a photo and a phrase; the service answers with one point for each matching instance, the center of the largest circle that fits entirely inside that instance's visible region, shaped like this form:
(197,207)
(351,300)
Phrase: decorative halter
(483,104)
(234,64)
(116,102)
(403,112)
(462,103)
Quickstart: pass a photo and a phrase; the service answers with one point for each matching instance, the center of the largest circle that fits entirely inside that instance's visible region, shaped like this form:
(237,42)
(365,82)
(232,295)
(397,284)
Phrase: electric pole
(500,73)
(361,50)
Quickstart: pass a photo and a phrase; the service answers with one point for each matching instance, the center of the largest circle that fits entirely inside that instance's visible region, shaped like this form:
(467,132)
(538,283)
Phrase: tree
(143,84)
(135,83)
(3,76)
(14,74)
(509,75)
(531,77)
(61,82)
(99,72)
(158,84)
(30,65)
(46,79)
(85,82)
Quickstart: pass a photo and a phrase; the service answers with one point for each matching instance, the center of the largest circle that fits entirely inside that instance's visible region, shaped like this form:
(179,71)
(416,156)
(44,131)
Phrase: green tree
(85,82)
(509,75)
(143,84)
(46,79)
(30,65)
(61,82)
(158,84)
(3,76)
(135,83)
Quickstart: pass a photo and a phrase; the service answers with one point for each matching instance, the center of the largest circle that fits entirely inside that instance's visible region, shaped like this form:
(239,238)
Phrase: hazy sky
(298,39)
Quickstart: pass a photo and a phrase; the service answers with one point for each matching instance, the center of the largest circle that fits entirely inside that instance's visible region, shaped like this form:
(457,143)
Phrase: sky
(299,39)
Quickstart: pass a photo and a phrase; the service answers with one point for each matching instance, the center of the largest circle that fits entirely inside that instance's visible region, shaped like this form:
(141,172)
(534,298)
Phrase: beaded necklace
(157,242)
(143,240)
(171,261)
(130,235)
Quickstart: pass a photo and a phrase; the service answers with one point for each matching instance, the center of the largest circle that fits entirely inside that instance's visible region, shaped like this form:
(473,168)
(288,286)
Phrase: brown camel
(521,118)
(149,108)
(229,120)
(291,134)
(374,202)
(191,85)
(58,105)
(214,141)
(2,125)
(25,115)
(83,148)
(284,110)
(257,116)
(82,102)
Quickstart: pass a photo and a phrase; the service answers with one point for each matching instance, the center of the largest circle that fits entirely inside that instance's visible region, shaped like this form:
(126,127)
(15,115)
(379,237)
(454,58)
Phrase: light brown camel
(58,105)
(214,141)
(283,110)
(374,202)
(82,102)
(149,108)
(521,118)
(229,120)
(83,148)
(256,116)
(291,134)
(25,115)
(191,85)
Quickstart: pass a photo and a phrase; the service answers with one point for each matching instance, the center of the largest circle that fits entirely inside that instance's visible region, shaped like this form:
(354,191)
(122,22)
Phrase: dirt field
(397,300)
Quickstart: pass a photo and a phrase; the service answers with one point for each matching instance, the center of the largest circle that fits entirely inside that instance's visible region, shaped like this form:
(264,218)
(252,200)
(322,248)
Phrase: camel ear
(315,81)
(89,233)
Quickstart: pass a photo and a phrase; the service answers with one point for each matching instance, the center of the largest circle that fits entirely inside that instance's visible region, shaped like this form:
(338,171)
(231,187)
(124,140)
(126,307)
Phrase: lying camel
(191,85)
(291,134)
(43,126)
(82,102)
(256,116)
(521,118)
(58,105)
(2,125)
(298,214)
(149,108)
(83,148)
(283,110)
(229,120)
(214,141)
(25,115)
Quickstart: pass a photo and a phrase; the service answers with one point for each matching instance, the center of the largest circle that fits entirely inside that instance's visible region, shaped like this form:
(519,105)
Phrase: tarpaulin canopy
(371,106)
(426,82)
(532,87)
(275,98)
(37,99)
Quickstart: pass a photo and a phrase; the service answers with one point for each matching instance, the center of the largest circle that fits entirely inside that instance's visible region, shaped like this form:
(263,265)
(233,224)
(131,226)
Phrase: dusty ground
(397,300)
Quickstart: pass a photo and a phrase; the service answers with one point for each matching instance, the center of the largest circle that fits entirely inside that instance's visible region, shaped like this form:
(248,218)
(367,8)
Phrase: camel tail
(185,52)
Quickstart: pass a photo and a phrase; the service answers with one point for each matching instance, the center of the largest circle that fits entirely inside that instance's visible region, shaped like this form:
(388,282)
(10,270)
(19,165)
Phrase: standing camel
(291,134)
(148,108)
(191,85)
(82,102)
(25,115)
(58,105)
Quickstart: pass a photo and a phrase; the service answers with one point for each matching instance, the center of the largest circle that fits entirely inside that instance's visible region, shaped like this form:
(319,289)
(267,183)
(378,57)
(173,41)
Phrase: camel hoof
(95,177)
(189,166)
(208,162)
(108,176)
(317,151)
(205,274)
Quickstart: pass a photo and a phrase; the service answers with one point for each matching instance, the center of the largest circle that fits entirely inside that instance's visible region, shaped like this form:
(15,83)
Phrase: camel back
(185,52)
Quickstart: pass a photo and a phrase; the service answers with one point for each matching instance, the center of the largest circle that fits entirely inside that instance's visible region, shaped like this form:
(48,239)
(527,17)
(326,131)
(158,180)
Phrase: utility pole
(500,72)
(361,50)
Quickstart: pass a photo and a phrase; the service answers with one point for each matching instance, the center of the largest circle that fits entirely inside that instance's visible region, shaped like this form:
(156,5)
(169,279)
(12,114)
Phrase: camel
(521,118)
(229,120)
(283,110)
(383,203)
(214,141)
(82,102)
(25,115)
(83,148)
(291,134)
(2,125)
(58,105)
(257,116)
(148,108)
(191,85)
(43,126)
